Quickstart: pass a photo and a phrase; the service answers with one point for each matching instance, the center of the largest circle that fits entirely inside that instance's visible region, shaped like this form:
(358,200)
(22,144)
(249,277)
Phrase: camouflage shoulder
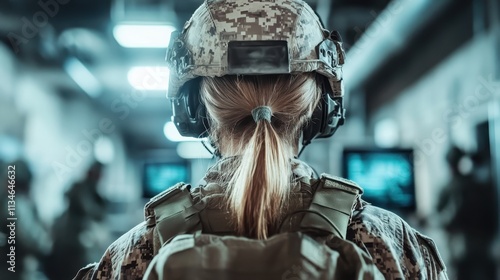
(398,250)
(86,272)
(128,256)
(436,268)
(380,234)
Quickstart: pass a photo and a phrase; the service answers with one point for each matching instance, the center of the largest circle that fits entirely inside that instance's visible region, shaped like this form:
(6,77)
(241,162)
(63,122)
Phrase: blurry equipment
(159,176)
(77,232)
(386,175)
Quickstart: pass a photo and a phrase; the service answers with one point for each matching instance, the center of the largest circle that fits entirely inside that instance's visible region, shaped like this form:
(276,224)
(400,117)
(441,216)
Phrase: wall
(442,108)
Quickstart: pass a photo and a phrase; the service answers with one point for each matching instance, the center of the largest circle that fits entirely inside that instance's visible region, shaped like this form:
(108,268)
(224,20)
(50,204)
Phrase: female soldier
(261,78)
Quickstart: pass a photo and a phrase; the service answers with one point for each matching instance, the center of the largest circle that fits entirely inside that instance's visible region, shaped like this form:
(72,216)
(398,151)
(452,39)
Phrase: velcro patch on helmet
(258,57)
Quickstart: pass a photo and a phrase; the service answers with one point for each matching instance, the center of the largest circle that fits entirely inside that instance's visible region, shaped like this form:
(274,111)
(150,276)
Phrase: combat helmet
(254,37)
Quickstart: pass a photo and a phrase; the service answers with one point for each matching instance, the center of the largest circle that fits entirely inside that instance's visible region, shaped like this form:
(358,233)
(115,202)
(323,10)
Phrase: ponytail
(259,180)
(259,186)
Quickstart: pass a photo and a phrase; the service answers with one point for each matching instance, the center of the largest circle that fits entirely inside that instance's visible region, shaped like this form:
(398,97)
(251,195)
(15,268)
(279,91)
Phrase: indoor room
(91,128)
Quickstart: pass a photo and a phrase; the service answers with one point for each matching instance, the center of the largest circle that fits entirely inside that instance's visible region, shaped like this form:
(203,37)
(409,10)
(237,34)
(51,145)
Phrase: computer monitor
(159,176)
(386,176)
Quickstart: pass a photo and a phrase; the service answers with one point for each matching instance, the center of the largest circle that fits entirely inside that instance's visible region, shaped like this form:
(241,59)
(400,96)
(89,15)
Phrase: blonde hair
(259,179)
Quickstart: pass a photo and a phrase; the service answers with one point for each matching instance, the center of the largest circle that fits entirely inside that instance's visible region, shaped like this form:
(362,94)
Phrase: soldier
(77,231)
(261,79)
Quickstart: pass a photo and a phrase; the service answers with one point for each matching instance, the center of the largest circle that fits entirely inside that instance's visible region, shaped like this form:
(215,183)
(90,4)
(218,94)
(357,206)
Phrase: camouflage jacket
(398,250)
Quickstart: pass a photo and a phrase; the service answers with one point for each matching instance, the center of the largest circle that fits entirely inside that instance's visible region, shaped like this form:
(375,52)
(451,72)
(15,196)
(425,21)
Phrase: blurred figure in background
(470,215)
(78,232)
(32,239)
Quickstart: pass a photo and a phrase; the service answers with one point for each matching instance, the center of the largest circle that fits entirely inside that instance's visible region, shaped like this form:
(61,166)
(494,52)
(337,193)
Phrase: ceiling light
(83,77)
(192,150)
(104,150)
(386,133)
(149,78)
(173,134)
(143,36)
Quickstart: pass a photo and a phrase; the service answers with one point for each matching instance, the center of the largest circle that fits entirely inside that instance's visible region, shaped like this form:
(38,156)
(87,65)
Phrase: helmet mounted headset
(259,37)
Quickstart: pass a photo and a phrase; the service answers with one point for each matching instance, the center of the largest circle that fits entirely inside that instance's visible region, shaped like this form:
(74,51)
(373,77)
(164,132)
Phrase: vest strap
(172,213)
(331,206)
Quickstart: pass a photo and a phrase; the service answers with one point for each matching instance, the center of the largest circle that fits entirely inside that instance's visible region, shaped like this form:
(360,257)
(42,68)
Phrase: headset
(190,115)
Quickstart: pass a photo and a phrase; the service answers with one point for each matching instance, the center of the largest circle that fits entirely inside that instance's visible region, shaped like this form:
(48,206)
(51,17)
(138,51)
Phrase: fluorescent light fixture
(83,77)
(386,133)
(143,36)
(192,150)
(104,150)
(149,78)
(173,134)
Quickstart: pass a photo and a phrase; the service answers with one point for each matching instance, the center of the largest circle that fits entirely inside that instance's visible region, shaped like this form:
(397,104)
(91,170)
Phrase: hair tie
(262,113)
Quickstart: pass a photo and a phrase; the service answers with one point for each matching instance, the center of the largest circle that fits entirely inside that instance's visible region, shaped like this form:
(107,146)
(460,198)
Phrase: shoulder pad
(149,213)
(331,181)
(332,205)
(171,213)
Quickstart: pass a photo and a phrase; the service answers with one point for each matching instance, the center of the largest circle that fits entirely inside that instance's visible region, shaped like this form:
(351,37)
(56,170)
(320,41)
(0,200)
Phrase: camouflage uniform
(399,251)
(201,50)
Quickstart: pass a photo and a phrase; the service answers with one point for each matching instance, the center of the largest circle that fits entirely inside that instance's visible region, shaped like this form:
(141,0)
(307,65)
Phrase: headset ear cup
(202,124)
(315,125)
(189,114)
(307,134)
(327,117)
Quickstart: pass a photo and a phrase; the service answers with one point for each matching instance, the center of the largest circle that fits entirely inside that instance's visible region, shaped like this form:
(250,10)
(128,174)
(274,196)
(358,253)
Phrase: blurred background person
(79,231)
(470,211)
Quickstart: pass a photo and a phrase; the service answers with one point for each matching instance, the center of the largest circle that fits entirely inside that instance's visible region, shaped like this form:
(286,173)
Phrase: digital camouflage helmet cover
(253,37)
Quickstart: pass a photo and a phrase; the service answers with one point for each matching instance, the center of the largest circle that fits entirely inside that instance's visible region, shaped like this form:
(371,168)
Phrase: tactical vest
(203,255)
(173,212)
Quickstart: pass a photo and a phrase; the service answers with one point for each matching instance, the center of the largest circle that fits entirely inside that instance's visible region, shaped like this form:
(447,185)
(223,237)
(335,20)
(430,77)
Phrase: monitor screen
(160,176)
(386,176)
